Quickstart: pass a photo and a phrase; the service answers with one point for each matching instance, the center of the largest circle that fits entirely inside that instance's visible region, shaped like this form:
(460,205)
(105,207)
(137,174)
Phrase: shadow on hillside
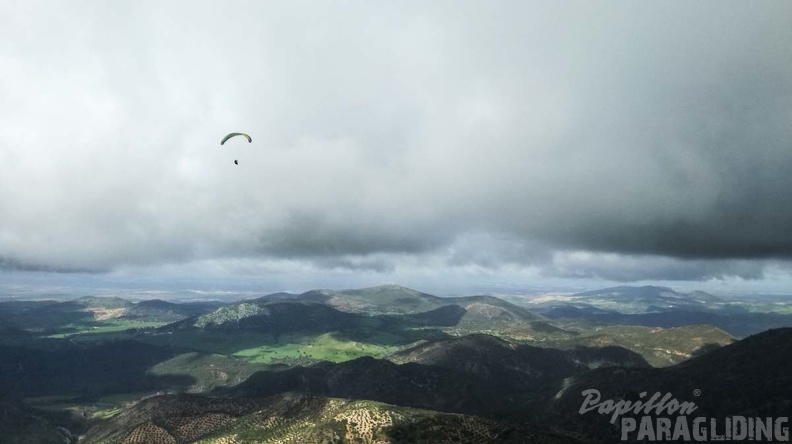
(704,349)
(300,324)
(88,370)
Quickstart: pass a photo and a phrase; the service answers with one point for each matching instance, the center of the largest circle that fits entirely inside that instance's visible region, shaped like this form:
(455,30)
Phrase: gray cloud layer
(484,133)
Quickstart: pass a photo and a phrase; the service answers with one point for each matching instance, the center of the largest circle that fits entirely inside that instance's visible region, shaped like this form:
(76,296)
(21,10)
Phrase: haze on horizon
(460,145)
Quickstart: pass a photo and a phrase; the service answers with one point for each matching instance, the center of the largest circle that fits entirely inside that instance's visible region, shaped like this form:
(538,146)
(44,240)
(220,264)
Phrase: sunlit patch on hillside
(103,314)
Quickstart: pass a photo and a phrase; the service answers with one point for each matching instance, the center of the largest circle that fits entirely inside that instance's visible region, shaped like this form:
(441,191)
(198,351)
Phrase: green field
(263,348)
(326,347)
(108,326)
(290,348)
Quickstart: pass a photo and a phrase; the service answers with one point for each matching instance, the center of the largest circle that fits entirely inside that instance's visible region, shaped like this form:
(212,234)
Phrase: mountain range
(653,306)
(383,364)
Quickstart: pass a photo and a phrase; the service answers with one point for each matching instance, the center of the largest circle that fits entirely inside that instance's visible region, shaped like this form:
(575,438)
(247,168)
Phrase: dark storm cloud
(318,235)
(11,264)
(490,250)
(374,264)
(622,268)
(457,133)
(716,168)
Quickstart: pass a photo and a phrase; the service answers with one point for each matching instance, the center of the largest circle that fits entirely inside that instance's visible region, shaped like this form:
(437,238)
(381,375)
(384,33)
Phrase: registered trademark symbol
(697,392)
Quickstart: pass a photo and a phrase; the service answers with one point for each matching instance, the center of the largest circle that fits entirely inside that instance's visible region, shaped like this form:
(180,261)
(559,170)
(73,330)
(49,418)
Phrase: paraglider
(249,139)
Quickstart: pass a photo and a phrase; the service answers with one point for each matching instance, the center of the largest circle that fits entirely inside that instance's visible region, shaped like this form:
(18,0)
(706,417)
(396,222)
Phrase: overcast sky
(501,143)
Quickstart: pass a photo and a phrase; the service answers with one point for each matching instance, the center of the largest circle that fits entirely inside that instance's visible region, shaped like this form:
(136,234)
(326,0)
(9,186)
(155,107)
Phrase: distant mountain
(274,318)
(738,322)
(653,306)
(747,378)
(98,302)
(92,310)
(300,418)
(397,300)
(83,310)
(382,300)
(156,310)
(659,346)
(463,314)
(489,312)
(626,299)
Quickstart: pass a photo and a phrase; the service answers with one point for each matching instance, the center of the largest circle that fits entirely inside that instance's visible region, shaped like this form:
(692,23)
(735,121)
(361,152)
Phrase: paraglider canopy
(234,135)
